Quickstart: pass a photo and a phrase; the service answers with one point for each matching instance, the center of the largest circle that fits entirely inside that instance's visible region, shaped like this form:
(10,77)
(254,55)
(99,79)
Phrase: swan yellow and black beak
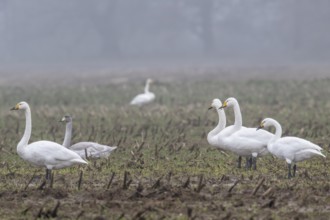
(62,120)
(210,108)
(224,105)
(15,108)
(260,126)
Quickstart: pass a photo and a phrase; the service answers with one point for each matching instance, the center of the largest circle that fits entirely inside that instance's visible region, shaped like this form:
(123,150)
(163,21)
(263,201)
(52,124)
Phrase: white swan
(44,153)
(292,149)
(215,135)
(92,149)
(241,140)
(212,135)
(145,97)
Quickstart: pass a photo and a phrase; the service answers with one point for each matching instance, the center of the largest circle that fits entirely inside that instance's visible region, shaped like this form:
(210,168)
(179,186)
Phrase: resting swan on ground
(92,149)
(44,153)
(292,149)
(145,97)
(243,141)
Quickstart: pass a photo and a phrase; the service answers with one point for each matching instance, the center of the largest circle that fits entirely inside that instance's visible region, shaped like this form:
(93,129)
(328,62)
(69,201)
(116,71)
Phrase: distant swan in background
(44,153)
(145,97)
(241,140)
(291,149)
(92,149)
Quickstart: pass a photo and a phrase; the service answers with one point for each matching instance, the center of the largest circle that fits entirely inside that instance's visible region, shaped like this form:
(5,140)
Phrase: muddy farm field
(164,167)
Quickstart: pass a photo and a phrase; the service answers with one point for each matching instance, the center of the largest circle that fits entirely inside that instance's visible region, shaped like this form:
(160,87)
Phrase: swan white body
(50,155)
(291,149)
(92,149)
(44,153)
(241,140)
(145,97)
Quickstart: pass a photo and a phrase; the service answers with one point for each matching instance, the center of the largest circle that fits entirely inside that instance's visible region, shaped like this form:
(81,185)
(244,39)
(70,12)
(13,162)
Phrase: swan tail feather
(81,161)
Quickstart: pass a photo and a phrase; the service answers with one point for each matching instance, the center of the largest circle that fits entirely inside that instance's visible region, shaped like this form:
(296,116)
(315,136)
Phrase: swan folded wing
(138,99)
(103,153)
(306,154)
(93,145)
(261,135)
(52,153)
(92,149)
(246,146)
(81,146)
(298,143)
(295,149)
(142,98)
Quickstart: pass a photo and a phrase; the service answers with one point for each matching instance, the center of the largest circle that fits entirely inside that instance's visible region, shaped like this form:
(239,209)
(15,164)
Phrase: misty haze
(112,33)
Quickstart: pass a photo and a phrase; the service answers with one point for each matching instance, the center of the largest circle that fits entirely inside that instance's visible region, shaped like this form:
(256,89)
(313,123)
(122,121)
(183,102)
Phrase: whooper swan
(145,97)
(214,136)
(241,140)
(291,149)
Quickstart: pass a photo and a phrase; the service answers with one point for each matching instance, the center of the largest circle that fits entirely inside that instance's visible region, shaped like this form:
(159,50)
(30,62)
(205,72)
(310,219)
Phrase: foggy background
(65,33)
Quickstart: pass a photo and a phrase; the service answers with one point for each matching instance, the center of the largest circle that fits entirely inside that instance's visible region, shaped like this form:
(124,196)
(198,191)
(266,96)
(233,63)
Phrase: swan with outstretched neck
(214,135)
(89,149)
(145,97)
(291,149)
(46,154)
(212,138)
(242,140)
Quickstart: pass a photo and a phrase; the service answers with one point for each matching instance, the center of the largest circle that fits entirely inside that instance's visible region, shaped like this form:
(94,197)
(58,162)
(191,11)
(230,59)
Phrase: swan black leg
(239,161)
(294,170)
(289,173)
(254,163)
(48,174)
(248,163)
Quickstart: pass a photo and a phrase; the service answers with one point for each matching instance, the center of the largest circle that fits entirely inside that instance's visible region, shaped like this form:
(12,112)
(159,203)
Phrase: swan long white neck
(68,135)
(238,116)
(27,132)
(146,88)
(278,130)
(221,125)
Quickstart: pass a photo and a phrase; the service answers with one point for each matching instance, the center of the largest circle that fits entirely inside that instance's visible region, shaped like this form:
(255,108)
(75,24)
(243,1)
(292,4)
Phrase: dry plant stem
(258,186)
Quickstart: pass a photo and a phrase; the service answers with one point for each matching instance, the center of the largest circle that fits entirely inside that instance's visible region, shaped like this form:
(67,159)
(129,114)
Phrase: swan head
(229,103)
(66,119)
(265,123)
(216,104)
(20,106)
(149,81)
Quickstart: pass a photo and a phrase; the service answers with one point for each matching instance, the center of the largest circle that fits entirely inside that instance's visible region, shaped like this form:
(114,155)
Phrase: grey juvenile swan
(92,149)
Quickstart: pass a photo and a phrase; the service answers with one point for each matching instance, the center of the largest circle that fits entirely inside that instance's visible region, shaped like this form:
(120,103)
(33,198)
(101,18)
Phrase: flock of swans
(51,155)
(46,154)
(250,143)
